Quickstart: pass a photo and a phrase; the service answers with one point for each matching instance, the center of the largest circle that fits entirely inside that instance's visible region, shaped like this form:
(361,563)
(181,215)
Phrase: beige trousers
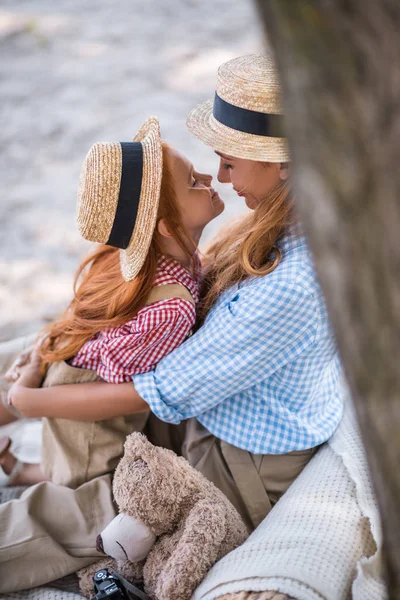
(51,530)
(74,452)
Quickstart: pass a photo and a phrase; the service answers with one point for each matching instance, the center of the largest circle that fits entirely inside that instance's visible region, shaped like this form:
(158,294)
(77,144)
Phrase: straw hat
(119,193)
(245,118)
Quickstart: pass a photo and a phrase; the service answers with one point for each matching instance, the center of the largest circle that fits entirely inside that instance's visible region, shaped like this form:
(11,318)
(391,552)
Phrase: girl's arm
(80,402)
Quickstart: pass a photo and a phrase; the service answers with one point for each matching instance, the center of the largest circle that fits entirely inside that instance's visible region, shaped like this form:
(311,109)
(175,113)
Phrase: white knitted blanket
(42,593)
(322,541)
(62,590)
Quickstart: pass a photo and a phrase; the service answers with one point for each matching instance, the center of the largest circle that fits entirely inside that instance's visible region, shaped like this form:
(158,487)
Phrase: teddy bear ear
(137,445)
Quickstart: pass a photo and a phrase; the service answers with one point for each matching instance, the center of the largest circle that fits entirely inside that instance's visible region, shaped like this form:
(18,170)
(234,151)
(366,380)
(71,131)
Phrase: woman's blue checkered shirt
(263,372)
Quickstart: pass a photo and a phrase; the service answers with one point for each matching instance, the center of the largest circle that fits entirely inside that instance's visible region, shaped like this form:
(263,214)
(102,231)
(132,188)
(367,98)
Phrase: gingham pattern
(262,373)
(136,347)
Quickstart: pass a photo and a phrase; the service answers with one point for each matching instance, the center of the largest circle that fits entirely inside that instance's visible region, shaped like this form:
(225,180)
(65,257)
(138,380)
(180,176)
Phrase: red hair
(102,298)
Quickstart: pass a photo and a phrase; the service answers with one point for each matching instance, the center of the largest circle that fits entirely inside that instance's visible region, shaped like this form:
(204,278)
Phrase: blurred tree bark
(340,68)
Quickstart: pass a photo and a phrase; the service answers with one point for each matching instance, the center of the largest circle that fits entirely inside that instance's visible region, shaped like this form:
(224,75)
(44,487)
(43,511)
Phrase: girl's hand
(14,371)
(36,363)
(31,376)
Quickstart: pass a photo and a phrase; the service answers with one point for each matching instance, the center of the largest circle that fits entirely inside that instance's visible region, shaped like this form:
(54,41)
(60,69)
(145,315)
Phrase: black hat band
(129,195)
(248,121)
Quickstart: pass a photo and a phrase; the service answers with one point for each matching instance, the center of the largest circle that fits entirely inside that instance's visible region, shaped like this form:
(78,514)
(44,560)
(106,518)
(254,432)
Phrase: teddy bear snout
(127,538)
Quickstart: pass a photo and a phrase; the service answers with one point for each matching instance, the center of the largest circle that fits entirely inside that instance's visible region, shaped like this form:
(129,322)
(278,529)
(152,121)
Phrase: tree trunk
(340,68)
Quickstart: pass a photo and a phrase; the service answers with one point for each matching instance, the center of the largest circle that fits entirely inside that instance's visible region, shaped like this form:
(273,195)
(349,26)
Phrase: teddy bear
(173,524)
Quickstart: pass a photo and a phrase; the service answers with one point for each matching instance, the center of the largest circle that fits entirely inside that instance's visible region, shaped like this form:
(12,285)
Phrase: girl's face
(250,179)
(198,201)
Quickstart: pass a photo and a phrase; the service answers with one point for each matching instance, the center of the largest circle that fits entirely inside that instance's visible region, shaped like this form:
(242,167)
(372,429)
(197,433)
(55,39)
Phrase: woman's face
(250,179)
(198,201)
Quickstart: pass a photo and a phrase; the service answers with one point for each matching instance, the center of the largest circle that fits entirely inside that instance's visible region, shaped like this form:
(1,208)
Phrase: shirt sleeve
(242,343)
(139,346)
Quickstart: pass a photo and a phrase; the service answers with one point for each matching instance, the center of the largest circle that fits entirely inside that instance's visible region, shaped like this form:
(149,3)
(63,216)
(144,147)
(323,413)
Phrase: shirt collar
(182,275)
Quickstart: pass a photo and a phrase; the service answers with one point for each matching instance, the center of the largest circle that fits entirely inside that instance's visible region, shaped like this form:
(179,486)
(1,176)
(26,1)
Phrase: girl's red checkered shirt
(137,346)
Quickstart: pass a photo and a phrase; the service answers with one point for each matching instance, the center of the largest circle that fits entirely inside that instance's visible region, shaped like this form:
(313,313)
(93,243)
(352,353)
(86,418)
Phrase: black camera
(112,586)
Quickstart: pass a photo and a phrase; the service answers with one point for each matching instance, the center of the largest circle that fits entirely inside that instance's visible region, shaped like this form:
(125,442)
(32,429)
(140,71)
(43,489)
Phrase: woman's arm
(260,330)
(80,402)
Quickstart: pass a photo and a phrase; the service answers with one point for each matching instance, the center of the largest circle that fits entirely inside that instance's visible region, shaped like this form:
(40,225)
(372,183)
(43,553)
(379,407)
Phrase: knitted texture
(322,541)
(255,596)
(10,493)
(42,593)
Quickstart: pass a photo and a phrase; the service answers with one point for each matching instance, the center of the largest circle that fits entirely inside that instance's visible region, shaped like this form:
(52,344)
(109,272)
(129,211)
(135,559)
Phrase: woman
(252,394)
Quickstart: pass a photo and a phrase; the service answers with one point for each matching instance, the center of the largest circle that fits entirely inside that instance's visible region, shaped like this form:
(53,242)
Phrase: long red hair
(102,298)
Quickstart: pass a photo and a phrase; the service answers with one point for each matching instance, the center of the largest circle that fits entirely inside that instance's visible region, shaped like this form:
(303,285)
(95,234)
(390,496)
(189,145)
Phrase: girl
(131,307)
(252,394)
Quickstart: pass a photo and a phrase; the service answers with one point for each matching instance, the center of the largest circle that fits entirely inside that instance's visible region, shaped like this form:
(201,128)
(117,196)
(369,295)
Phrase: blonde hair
(248,248)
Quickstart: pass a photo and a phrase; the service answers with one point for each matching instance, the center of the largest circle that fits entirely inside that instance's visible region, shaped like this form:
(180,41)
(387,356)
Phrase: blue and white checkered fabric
(263,372)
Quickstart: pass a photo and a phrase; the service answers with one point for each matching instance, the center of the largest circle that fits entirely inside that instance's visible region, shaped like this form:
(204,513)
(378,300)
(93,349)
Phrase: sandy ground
(76,72)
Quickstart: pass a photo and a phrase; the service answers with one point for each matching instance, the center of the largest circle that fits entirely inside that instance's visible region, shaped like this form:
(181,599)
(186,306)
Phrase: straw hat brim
(134,256)
(204,126)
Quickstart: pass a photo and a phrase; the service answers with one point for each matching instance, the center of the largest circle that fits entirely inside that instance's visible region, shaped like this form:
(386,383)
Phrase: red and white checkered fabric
(136,347)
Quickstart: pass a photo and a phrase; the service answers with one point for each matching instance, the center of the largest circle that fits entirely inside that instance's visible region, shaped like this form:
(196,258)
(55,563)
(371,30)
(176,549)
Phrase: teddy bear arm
(197,549)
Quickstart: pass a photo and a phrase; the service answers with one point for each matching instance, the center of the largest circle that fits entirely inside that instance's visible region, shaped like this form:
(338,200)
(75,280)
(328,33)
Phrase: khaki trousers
(51,530)
(74,452)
